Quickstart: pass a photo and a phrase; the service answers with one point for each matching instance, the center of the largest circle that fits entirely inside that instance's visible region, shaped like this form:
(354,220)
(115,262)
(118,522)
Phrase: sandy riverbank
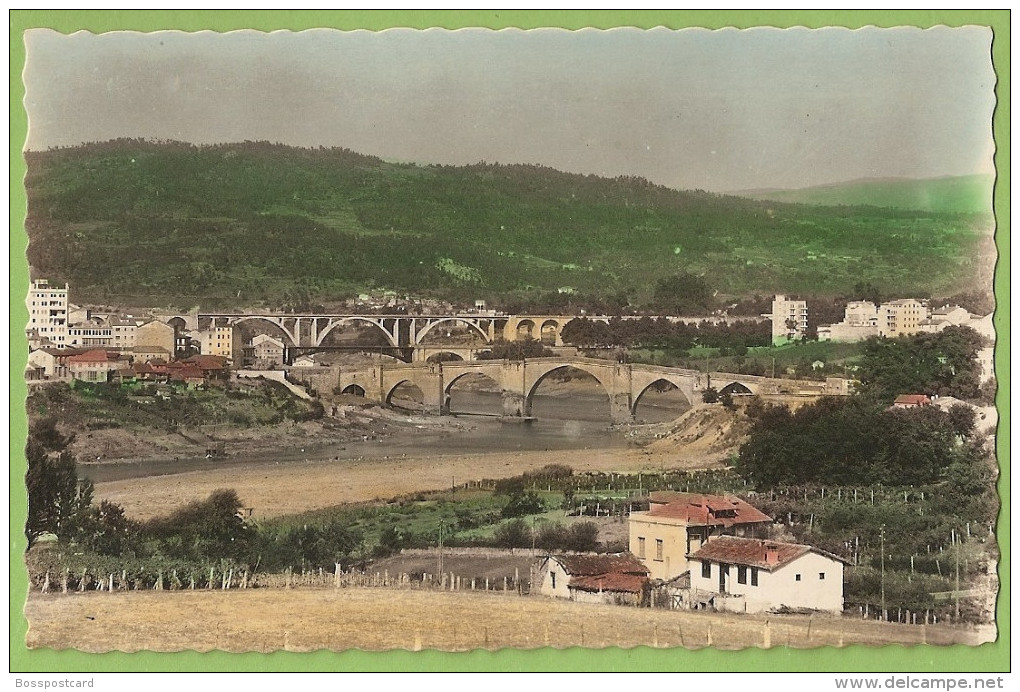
(291,487)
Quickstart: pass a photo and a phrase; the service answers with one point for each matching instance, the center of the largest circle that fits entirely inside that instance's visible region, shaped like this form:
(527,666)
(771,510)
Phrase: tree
(213,527)
(944,363)
(58,501)
(683,294)
(513,534)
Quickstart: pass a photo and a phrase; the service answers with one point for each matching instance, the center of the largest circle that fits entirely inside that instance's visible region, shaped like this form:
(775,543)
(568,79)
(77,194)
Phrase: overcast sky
(717,110)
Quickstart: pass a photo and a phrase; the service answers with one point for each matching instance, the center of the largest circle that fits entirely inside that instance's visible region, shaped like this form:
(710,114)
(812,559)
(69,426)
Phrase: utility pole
(882,537)
(956,545)
(440,552)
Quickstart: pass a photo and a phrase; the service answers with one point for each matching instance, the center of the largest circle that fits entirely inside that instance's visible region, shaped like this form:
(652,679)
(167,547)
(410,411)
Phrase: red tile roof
(768,555)
(706,510)
(187,373)
(911,400)
(594,565)
(627,583)
(207,362)
(95,356)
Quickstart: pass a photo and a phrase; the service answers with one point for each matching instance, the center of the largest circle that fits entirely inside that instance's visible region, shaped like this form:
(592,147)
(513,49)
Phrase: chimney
(771,553)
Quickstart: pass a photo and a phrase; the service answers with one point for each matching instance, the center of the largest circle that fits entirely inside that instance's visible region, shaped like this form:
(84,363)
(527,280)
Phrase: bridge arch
(738,388)
(549,331)
(472,325)
(668,379)
(444,357)
(534,381)
(334,323)
(353,390)
(391,390)
(281,329)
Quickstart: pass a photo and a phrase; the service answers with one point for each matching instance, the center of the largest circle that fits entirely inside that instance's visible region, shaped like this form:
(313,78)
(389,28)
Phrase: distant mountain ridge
(261,223)
(965,194)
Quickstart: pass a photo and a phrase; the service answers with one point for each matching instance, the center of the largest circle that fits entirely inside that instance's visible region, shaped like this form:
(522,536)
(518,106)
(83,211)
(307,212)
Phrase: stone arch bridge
(624,383)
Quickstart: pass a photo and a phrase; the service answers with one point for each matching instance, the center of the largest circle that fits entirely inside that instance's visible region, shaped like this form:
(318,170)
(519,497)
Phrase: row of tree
(648,332)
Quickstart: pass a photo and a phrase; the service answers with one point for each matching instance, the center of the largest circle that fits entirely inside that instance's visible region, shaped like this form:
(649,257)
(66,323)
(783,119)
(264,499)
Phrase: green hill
(957,194)
(249,223)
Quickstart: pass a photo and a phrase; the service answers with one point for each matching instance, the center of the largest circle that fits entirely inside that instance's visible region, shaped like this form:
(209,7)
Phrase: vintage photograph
(484,339)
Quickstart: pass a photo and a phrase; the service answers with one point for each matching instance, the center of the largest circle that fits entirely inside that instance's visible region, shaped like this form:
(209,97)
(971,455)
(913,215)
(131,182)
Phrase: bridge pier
(621,409)
(515,404)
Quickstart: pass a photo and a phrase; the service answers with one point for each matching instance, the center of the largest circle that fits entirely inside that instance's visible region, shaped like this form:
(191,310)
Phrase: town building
(617,579)
(752,576)
(217,341)
(155,334)
(124,331)
(50,363)
(96,365)
(264,352)
(860,321)
(94,333)
(789,319)
(901,317)
(47,314)
(677,524)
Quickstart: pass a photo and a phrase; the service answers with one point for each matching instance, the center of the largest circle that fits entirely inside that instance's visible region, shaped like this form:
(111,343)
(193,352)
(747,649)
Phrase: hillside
(255,223)
(953,194)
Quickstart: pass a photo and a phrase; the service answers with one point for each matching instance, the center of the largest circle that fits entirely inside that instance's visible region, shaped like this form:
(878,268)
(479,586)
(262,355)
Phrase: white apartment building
(47,312)
(789,319)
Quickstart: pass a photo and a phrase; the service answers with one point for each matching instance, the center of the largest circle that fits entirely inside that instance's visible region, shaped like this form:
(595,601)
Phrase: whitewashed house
(752,576)
(616,579)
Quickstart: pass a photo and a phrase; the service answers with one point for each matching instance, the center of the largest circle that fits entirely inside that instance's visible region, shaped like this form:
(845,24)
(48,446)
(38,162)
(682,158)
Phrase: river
(577,421)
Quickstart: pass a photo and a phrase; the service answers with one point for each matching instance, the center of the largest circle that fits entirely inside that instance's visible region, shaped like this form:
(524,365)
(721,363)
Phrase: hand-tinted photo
(482,339)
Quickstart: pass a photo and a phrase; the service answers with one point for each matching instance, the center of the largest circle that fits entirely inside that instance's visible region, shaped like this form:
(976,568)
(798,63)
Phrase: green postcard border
(985,658)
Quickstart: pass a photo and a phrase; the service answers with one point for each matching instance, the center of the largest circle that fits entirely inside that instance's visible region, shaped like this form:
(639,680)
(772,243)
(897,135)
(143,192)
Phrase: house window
(553,575)
(658,549)
(796,577)
(754,576)
(741,574)
(821,575)
(706,570)
(641,546)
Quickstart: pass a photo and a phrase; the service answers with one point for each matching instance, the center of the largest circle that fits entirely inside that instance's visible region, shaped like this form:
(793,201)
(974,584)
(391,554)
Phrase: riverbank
(281,488)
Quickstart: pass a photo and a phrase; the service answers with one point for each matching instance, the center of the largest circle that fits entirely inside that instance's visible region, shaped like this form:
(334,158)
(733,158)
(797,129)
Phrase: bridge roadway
(404,331)
(625,383)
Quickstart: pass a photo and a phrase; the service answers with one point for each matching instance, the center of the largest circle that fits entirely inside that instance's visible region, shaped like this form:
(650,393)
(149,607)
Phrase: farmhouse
(677,524)
(751,576)
(617,579)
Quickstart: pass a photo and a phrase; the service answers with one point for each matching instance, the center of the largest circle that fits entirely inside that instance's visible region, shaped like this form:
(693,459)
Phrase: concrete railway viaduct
(518,381)
(309,331)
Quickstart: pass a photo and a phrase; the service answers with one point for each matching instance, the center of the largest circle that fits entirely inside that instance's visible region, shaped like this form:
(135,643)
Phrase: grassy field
(377,619)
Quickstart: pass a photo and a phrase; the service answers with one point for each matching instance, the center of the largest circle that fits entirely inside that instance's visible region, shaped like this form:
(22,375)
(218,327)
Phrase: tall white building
(789,319)
(47,313)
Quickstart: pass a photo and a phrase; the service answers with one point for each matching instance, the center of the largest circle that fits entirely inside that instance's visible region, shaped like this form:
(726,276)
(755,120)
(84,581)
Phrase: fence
(86,580)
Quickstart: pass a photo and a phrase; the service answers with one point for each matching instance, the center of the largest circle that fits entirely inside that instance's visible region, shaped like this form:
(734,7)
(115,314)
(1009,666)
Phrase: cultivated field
(385,618)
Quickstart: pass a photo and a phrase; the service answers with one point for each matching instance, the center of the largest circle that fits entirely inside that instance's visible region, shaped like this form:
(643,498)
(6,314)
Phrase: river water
(577,421)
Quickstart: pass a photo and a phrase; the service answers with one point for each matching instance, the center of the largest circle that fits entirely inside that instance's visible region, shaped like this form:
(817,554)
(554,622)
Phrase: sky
(723,110)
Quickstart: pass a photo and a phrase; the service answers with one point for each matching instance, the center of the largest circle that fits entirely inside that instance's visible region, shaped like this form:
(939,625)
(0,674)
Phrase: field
(376,619)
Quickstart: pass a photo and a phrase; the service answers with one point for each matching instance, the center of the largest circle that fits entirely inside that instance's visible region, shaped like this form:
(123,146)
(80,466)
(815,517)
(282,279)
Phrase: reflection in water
(562,422)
